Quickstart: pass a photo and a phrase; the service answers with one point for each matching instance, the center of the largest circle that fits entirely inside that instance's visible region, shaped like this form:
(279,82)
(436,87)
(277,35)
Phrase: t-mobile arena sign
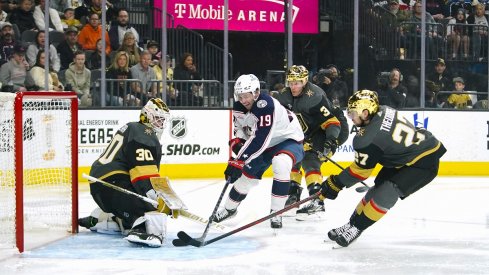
(243,15)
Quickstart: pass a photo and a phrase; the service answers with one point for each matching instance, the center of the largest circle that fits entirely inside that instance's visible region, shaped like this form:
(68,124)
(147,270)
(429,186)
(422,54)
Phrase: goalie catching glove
(331,187)
(234,170)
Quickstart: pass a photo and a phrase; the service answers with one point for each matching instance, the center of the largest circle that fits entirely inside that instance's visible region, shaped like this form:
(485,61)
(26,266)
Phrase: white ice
(441,229)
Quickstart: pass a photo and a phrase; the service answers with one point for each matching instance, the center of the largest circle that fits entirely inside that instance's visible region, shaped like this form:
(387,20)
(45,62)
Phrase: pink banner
(243,15)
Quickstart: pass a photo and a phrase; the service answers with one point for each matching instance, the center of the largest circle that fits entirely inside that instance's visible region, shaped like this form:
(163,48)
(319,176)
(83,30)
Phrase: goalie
(130,160)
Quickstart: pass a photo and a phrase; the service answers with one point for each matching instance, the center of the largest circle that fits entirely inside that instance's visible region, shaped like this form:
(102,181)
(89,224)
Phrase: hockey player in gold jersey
(324,126)
(129,161)
(409,156)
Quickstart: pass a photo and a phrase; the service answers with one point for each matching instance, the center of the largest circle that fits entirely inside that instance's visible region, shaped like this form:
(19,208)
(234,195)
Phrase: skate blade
(309,217)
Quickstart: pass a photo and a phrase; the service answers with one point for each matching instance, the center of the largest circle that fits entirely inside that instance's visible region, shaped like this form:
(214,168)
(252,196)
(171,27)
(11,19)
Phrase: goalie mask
(363,100)
(297,73)
(247,83)
(155,114)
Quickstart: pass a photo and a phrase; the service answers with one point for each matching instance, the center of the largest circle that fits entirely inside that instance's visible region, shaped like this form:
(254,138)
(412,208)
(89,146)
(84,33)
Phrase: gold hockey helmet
(155,114)
(364,99)
(297,73)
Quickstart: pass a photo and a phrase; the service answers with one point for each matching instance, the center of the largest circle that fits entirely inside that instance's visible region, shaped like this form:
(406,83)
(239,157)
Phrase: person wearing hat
(23,17)
(459,99)
(13,73)
(7,42)
(439,80)
(68,47)
(152,47)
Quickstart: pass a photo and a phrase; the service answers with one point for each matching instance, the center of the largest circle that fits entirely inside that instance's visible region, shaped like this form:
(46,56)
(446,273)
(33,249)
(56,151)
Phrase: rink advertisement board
(195,142)
(249,15)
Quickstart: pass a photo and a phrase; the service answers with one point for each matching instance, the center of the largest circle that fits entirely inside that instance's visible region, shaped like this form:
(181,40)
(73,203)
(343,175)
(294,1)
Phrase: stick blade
(185,238)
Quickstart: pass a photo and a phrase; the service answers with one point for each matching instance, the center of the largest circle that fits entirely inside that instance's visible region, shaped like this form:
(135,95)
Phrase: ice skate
(224,214)
(350,235)
(139,236)
(334,233)
(314,208)
(276,222)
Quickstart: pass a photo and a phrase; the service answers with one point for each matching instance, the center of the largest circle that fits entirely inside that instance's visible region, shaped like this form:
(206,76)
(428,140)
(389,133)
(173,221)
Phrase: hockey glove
(236,144)
(330,148)
(330,188)
(234,170)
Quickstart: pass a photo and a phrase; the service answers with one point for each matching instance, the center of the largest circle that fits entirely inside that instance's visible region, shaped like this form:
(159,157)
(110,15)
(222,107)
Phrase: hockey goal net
(38,168)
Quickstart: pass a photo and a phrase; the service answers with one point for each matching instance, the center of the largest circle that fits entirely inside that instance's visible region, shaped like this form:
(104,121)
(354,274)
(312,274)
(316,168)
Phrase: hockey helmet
(155,114)
(364,99)
(247,83)
(297,73)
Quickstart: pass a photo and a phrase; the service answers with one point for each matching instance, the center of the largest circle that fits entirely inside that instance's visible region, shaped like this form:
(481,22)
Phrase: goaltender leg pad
(156,224)
(163,188)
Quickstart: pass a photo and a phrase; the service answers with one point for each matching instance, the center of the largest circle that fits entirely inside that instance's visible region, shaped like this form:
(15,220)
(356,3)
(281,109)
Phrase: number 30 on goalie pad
(162,187)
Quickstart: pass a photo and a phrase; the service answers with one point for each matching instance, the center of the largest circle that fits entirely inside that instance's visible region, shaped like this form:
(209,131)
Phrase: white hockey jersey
(267,124)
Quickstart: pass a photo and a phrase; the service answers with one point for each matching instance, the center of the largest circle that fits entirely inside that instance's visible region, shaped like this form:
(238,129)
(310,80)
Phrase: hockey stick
(359,189)
(184,213)
(177,242)
(184,238)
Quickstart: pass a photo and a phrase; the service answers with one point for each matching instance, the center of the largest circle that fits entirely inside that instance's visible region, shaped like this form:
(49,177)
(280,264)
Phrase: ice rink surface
(441,229)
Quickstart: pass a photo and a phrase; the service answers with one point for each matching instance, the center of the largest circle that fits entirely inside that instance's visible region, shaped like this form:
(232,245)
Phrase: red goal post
(38,168)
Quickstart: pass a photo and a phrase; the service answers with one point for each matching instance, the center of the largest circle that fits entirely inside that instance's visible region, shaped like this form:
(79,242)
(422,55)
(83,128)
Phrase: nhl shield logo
(178,127)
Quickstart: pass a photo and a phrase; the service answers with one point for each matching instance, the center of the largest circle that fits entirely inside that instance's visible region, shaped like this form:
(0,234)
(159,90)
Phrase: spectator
(91,32)
(95,60)
(67,48)
(8,5)
(33,49)
(78,77)
(23,16)
(13,73)
(478,35)
(117,32)
(152,47)
(7,42)
(186,70)
(131,48)
(394,94)
(95,6)
(69,19)
(438,9)
(117,90)
(172,94)
(457,34)
(336,89)
(54,19)
(35,78)
(393,8)
(413,34)
(439,80)
(144,89)
(59,5)
(459,4)
(459,99)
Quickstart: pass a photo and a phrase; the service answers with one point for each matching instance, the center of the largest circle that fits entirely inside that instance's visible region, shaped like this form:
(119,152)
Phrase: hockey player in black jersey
(409,157)
(324,127)
(129,161)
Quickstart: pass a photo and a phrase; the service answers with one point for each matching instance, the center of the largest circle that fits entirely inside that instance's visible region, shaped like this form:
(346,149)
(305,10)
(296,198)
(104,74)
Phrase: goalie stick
(359,189)
(184,239)
(186,214)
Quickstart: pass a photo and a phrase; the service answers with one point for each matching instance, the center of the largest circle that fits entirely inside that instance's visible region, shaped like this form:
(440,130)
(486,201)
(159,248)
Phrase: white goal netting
(37,187)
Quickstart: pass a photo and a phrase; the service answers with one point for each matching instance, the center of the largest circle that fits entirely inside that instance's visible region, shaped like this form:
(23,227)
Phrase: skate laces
(340,230)
(351,234)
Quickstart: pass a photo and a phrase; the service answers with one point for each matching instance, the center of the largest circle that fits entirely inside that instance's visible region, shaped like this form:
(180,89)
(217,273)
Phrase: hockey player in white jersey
(265,134)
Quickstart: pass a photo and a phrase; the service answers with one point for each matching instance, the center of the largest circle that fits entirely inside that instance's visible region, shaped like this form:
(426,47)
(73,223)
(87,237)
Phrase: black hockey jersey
(314,111)
(135,151)
(391,141)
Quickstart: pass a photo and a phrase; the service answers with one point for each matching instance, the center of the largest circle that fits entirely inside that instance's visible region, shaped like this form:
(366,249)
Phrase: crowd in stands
(133,67)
